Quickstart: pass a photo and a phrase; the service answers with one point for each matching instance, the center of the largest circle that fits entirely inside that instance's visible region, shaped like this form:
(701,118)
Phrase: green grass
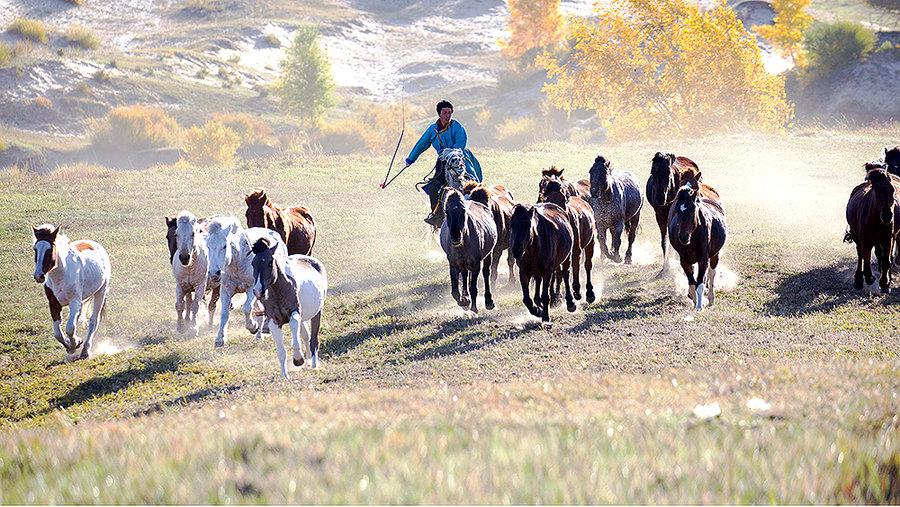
(30,29)
(418,402)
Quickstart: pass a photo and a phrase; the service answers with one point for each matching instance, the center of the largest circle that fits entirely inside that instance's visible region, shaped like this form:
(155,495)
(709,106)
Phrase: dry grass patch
(6,54)
(43,102)
(83,37)
(31,29)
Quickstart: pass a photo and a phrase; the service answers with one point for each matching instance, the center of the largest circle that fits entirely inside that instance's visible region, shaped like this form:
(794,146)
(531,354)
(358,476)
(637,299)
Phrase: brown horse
(892,160)
(541,239)
(697,231)
(668,173)
(500,202)
(468,237)
(873,217)
(581,218)
(295,225)
(581,188)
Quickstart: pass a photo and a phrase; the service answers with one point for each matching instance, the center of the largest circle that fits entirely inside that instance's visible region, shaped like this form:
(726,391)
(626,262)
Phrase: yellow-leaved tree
(791,23)
(532,24)
(652,67)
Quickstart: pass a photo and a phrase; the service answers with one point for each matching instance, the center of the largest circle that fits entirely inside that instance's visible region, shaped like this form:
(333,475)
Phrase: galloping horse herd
(546,242)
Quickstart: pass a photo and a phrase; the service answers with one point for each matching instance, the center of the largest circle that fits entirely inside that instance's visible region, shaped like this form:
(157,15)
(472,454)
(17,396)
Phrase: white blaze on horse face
(184,235)
(217,246)
(41,248)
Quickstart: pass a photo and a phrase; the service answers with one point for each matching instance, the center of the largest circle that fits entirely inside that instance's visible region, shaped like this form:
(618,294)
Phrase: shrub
(43,102)
(6,54)
(101,75)
(82,37)
(31,29)
(835,45)
(76,2)
(306,87)
(202,73)
(3,145)
(136,128)
(272,40)
(516,132)
(213,143)
(342,137)
(204,7)
(382,125)
(251,130)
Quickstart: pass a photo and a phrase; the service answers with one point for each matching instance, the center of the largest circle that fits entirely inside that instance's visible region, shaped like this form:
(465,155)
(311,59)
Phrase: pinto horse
(72,273)
(873,217)
(295,225)
(697,230)
(668,173)
(541,240)
(292,290)
(468,237)
(617,202)
(581,188)
(581,219)
(500,202)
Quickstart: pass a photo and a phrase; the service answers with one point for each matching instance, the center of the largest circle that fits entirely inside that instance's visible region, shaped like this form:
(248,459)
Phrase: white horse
(230,255)
(190,266)
(71,274)
(292,291)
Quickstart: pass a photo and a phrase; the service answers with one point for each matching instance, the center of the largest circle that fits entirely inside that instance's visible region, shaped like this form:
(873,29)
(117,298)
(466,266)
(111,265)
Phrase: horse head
(892,160)
(521,229)
(259,209)
(218,244)
(883,192)
(453,162)
(170,238)
(456,217)
(662,178)
(265,270)
(687,211)
(601,173)
(45,250)
(554,192)
(185,228)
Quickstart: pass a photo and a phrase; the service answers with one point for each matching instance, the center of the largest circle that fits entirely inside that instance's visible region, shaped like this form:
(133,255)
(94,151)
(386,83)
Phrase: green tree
(836,45)
(306,87)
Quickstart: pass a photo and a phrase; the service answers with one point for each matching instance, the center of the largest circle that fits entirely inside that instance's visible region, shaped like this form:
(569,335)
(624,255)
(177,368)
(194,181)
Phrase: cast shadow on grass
(622,308)
(819,290)
(182,401)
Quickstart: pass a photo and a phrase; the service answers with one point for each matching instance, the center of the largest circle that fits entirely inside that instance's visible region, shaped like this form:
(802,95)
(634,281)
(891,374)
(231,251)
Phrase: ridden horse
(581,219)
(581,188)
(873,217)
(697,231)
(668,173)
(230,257)
(541,239)
(295,225)
(292,291)
(892,160)
(501,203)
(189,268)
(468,237)
(617,201)
(72,273)
(449,172)
(211,287)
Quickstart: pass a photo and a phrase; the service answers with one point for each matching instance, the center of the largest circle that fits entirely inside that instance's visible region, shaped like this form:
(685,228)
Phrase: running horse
(295,225)
(668,173)
(892,160)
(581,218)
(580,188)
(697,230)
(873,217)
(500,201)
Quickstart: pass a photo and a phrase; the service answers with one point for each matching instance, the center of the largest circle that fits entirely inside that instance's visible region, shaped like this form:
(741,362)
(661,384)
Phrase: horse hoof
(577,296)
(219,344)
(885,290)
(298,362)
(570,306)
(628,260)
(489,304)
(591,297)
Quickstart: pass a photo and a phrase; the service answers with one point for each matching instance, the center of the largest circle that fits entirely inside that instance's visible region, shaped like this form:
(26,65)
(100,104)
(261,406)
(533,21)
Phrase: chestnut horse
(541,239)
(668,173)
(500,202)
(295,225)
(581,219)
(873,217)
(581,188)
(697,231)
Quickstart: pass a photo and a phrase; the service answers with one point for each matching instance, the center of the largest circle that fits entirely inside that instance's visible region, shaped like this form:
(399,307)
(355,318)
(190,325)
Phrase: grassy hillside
(420,402)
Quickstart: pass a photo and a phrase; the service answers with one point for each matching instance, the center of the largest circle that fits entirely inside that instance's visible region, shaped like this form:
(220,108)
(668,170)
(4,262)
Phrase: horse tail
(848,237)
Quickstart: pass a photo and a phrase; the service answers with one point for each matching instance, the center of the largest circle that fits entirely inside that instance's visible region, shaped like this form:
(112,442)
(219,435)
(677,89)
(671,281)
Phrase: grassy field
(420,402)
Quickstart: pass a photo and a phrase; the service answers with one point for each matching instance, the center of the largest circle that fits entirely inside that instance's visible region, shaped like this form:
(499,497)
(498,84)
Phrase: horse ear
(671,157)
(56,231)
(33,229)
(699,176)
(885,152)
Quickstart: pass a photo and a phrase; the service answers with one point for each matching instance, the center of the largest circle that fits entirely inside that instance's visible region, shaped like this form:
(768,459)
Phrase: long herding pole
(387,182)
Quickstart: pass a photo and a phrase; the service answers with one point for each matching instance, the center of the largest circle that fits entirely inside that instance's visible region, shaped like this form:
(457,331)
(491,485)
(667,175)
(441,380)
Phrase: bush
(82,37)
(6,54)
(835,45)
(272,40)
(43,102)
(250,130)
(213,143)
(31,29)
(101,75)
(342,137)
(306,87)
(516,132)
(136,128)
(885,4)
(3,145)
(204,7)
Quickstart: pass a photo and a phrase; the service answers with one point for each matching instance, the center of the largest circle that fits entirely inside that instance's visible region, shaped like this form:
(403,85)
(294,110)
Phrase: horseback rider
(442,134)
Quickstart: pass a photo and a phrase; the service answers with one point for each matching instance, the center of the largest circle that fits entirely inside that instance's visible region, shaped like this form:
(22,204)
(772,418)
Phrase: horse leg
(662,220)
(211,308)
(314,339)
(525,283)
(601,239)
(486,273)
(94,323)
(55,315)
(199,291)
(464,298)
(188,309)
(883,255)
(495,262)
(576,272)
(278,337)
(588,266)
(299,338)
(179,307)
(74,315)
(632,233)
(701,276)
(454,284)
(511,262)
(473,289)
(858,276)
(692,284)
(570,302)
(617,241)
(711,274)
(222,335)
(867,265)
(545,298)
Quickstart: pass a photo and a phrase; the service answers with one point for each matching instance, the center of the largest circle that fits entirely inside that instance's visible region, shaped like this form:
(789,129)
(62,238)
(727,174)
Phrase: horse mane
(185,217)
(552,171)
(258,198)
(558,198)
(480,193)
(469,186)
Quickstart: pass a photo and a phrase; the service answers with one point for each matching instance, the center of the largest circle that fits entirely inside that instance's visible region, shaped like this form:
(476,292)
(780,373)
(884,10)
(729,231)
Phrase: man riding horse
(448,138)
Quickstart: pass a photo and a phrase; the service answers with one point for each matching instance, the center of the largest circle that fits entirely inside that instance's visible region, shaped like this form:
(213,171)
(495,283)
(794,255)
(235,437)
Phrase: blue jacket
(453,136)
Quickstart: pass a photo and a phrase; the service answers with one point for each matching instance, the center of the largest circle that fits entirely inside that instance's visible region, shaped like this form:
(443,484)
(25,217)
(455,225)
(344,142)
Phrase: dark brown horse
(295,225)
(468,237)
(500,202)
(541,241)
(892,160)
(581,188)
(581,219)
(668,173)
(873,217)
(697,231)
